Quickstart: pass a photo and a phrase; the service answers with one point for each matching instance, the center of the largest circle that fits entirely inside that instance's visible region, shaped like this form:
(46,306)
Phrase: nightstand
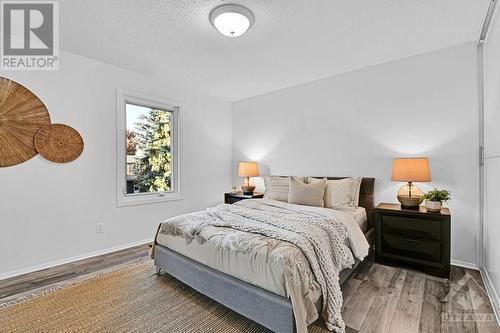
(231,198)
(413,237)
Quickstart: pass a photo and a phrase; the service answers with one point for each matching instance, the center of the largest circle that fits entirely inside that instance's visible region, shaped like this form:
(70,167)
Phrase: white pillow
(357,186)
(307,194)
(340,192)
(277,188)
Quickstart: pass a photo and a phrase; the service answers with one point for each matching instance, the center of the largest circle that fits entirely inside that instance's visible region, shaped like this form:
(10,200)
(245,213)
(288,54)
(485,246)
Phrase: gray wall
(50,211)
(355,123)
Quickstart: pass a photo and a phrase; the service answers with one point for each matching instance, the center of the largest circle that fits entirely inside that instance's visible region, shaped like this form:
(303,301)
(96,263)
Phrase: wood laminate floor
(389,299)
(377,298)
(50,276)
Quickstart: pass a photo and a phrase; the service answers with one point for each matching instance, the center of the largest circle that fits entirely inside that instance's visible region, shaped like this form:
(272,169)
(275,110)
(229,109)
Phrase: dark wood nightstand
(413,237)
(231,198)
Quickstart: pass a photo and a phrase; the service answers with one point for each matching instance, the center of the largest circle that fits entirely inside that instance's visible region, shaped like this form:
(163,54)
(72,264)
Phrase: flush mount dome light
(231,20)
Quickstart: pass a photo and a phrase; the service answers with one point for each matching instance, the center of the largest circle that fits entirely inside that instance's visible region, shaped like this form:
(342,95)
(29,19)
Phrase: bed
(257,283)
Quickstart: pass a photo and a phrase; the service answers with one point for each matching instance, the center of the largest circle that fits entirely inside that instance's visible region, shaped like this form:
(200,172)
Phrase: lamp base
(409,202)
(410,196)
(248,189)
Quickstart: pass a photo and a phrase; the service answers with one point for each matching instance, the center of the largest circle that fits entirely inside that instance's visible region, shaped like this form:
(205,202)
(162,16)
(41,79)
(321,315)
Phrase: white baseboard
(492,293)
(465,264)
(71,259)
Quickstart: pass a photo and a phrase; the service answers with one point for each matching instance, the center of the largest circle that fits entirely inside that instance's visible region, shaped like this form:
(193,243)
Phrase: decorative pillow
(307,194)
(357,186)
(339,193)
(277,187)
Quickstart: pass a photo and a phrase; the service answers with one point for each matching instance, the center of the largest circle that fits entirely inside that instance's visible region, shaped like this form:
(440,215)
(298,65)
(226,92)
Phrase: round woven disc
(21,116)
(59,143)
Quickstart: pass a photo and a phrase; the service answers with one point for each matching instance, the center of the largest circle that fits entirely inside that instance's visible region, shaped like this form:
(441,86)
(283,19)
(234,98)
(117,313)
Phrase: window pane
(149,154)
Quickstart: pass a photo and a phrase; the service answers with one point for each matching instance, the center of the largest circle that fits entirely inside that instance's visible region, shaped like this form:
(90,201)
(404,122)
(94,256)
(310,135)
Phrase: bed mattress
(254,268)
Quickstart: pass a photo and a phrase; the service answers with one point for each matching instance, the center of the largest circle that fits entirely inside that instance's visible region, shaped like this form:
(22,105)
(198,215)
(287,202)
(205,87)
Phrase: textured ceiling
(291,42)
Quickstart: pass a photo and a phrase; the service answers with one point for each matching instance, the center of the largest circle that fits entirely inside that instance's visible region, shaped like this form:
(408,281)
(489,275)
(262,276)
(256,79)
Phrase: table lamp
(247,170)
(410,170)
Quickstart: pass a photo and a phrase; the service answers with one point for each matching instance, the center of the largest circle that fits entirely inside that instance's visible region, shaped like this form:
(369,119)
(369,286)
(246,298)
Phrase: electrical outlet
(99,228)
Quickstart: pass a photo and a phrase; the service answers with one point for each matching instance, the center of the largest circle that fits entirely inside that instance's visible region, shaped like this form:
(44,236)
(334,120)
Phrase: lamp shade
(248,169)
(411,170)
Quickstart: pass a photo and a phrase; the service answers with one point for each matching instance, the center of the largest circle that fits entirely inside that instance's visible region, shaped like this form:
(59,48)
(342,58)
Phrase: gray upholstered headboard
(366,197)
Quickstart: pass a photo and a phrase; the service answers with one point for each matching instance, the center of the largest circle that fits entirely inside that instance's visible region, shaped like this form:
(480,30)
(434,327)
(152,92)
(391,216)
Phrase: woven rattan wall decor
(21,116)
(26,130)
(58,143)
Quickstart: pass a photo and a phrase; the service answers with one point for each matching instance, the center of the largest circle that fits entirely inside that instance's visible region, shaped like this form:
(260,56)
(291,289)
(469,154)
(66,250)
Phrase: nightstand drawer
(232,197)
(410,227)
(232,200)
(411,248)
(413,237)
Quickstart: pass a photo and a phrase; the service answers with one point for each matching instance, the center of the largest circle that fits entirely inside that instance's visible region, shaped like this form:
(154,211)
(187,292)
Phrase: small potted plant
(434,199)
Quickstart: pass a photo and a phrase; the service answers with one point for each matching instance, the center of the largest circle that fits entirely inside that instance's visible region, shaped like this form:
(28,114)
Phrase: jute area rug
(132,299)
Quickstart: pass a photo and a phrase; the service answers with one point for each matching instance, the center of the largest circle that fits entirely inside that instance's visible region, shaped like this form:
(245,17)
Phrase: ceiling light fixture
(231,20)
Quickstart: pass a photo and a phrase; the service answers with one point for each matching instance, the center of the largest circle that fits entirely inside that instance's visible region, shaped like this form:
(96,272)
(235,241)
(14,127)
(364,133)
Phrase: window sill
(144,199)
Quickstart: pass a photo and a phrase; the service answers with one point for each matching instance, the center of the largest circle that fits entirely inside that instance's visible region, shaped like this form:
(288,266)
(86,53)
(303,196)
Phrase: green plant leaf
(437,195)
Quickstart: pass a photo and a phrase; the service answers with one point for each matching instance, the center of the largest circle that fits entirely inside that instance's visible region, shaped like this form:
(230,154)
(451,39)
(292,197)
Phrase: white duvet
(271,264)
(358,243)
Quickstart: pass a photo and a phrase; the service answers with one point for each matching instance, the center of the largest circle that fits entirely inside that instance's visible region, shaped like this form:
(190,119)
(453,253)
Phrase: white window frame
(122,98)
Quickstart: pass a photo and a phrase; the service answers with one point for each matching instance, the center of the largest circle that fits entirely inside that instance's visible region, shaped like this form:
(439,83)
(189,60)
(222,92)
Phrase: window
(148,154)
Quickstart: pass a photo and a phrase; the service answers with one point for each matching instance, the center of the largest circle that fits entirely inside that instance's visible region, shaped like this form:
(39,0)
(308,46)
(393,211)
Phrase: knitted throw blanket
(319,238)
